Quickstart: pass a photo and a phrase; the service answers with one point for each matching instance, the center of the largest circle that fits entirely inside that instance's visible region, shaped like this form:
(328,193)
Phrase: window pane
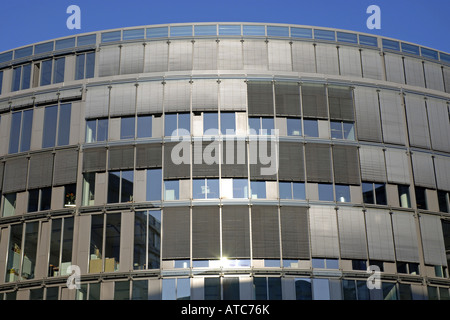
(326,192)
(79,66)
(254,125)
(390,44)
(409,48)
(321,290)
(347,37)
(240,188)
(14,136)
(184,123)
(303,289)
(46,72)
(318,263)
(102,130)
(210,30)
(127,128)
(46,199)
(88,188)
(294,127)
(298,190)
(50,122)
(311,128)
(65,43)
(267,126)
(301,33)
(14,253)
(9,204)
(168,289)
(26,76)
(121,290)
(260,285)
(33,200)
(254,30)
(58,74)
(111,36)
(225,30)
(112,242)
(94,291)
(228,123)
(349,131)
(67,241)
(389,291)
(90,65)
(140,290)
(210,123)
(274,288)
(349,288)
(324,35)
(198,189)
(285,190)
(336,129)
(91,130)
(1,81)
(30,250)
(113,186)
(17,73)
(140,240)
(342,193)
(86,40)
(154,181)
(154,239)
(64,124)
(55,242)
(127,186)
(27,123)
(421,199)
(183,289)
(363,290)
(180,31)
(277,31)
(367,189)
(403,193)
(368,41)
(133,34)
(144,126)
(230,288)
(158,32)
(380,194)
(258,189)
(442,199)
(171,190)
(170,124)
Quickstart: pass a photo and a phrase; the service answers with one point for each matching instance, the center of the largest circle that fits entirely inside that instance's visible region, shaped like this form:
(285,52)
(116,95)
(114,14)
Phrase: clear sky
(23,22)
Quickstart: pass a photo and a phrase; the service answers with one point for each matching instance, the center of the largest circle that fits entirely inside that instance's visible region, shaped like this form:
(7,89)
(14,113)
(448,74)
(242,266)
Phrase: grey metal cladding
(405,237)
(121,158)
(97,102)
(350,61)
(340,99)
(423,170)
(177,96)
(327,59)
(397,166)
(176,230)
(235,231)
(394,68)
(234,159)
(15,176)
(156,57)
(346,165)
(303,57)
(94,160)
(233,94)
(372,65)
(205,95)
(205,159)
(368,121)
(132,58)
(324,232)
(149,155)
(291,161)
(41,170)
(122,100)
(180,55)
(392,116)
(149,97)
(442,168)
(419,134)
(373,167)
(205,232)
(318,163)
(66,167)
(205,55)
(260,98)
(352,233)
(439,124)
(379,235)
(173,169)
(414,72)
(287,99)
(294,232)
(265,232)
(255,55)
(261,152)
(314,100)
(432,240)
(109,61)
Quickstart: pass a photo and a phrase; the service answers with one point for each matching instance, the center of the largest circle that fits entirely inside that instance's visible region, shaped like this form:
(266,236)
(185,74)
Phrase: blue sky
(24,22)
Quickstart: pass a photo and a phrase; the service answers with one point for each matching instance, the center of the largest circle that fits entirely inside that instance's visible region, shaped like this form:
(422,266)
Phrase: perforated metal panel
(379,235)
(394,68)
(205,55)
(346,165)
(230,55)
(176,233)
(352,233)
(279,55)
(341,103)
(123,100)
(372,65)
(423,170)
(419,135)
(327,59)
(392,117)
(372,164)
(291,161)
(156,56)
(368,121)
(433,76)
(255,55)
(438,118)
(233,94)
(205,232)
(41,171)
(205,95)
(397,166)
(318,163)
(414,72)
(15,176)
(350,61)
(314,100)
(149,155)
(180,55)
(294,232)
(177,96)
(260,98)
(149,97)
(324,232)
(287,99)
(132,58)
(121,158)
(432,240)
(235,231)
(109,61)
(405,237)
(442,168)
(66,166)
(94,160)
(97,102)
(303,57)
(265,232)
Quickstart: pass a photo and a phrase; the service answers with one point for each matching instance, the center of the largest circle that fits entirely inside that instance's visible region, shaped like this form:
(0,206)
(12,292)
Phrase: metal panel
(279,55)
(177,96)
(352,233)
(327,59)
(233,94)
(263,159)
(318,163)
(149,97)
(345,162)
(97,102)
(132,58)
(324,232)
(438,118)
(108,61)
(433,240)
(94,160)
(66,167)
(265,232)
(176,233)
(123,100)
(171,168)
(303,57)
(442,167)
(341,103)
(314,100)
(379,235)
(180,55)
(287,99)
(121,158)
(414,72)
(397,166)
(234,159)
(235,232)
(433,76)
(372,164)
(205,159)
(423,170)
(291,162)
(405,237)
(392,117)
(230,55)
(41,170)
(156,56)
(255,55)
(372,65)
(394,68)
(205,95)
(149,155)
(294,232)
(15,176)
(205,54)
(368,121)
(205,232)
(260,98)
(419,135)
(350,61)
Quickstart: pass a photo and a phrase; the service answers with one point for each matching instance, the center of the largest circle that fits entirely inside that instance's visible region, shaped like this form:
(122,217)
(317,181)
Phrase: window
(240,188)
(303,289)
(85,66)
(342,130)
(105,243)
(96,130)
(56,127)
(120,186)
(61,240)
(39,199)
(210,123)
(389,291)
(228,123)
(147,239)
(122,290)
(374,193)
(267,288)
(444,201)
(20,134)
(321,289)
(292,190)
(359,265)
(212,289)
(205,188)
(404,198)
(140,290)
(9,204)
(177,124)
(14,253)
(407,267)
(230,287)
(342,193)
(21,77)
(1,81)
(325,263)
(177,289)
(377,263)
(355,290)
(294,126)
(421,198)
(154,181)
(311,128)
(58,71)
(46,72)
(144,126)
(261,125)
(88,291)
(171,189)
(127,128)
(326,192)
(88,188)
(70,192)
(258,189)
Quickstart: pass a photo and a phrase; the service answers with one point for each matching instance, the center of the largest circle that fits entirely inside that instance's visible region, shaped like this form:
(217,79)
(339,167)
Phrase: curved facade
(224,161)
